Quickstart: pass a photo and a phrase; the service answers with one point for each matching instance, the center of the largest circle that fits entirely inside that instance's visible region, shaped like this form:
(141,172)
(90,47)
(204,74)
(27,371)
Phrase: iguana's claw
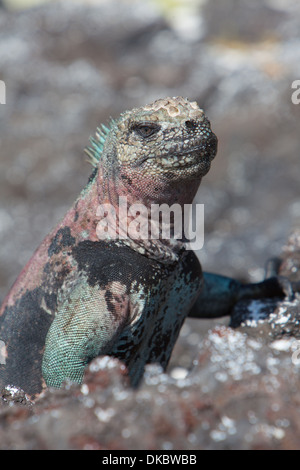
(272,267)
(288,287)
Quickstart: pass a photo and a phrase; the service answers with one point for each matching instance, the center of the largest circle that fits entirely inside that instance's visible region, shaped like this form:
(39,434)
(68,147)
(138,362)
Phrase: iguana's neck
(146,214)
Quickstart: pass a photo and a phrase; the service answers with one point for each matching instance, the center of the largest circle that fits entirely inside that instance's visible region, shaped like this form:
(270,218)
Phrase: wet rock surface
(68,67)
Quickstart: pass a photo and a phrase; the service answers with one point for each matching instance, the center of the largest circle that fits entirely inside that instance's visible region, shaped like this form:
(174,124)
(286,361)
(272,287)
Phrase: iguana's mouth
(182,158)
(198,155)
(185,158)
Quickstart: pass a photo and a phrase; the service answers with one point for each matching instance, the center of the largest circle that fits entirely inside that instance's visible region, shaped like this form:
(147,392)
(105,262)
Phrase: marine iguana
(81,295)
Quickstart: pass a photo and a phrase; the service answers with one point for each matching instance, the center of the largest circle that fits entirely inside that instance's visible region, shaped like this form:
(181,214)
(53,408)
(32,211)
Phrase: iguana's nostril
(191,124)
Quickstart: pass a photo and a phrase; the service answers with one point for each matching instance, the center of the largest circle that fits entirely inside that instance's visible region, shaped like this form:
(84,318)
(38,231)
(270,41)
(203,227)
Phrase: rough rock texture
(67,68)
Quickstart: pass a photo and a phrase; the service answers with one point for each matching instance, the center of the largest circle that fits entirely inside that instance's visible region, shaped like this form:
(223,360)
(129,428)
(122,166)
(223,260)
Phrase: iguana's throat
(150,225)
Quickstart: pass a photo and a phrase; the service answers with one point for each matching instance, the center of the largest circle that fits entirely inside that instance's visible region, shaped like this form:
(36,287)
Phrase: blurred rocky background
(70,65)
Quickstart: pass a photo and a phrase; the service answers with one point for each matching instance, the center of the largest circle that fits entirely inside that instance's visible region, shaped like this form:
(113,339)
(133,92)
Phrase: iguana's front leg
(87,323)
(220,294)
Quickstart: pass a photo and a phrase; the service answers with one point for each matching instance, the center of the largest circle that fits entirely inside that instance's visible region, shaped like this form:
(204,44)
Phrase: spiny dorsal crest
(94,152)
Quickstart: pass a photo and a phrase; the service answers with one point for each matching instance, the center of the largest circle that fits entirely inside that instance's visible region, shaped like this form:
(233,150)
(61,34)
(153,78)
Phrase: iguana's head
(157,147)
(156,154)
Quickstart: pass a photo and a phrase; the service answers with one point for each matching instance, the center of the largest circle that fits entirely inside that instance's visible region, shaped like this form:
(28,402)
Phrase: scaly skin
(79,297)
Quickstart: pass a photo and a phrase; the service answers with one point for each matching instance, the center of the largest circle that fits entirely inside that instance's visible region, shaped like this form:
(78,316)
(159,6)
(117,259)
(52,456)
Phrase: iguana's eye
(146,129)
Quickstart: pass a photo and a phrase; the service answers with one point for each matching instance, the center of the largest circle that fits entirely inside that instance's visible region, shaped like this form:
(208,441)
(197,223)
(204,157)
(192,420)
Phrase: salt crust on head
(176,106)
